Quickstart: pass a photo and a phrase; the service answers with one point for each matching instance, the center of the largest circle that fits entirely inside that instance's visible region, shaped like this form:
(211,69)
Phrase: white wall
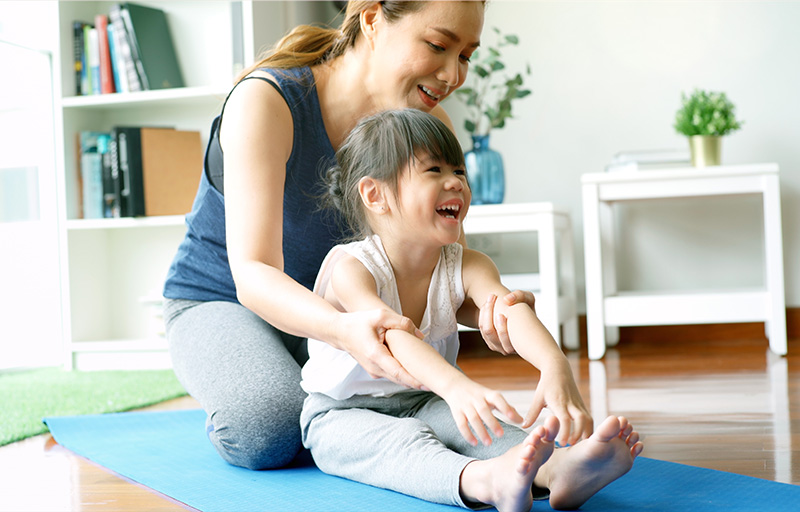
(607,77)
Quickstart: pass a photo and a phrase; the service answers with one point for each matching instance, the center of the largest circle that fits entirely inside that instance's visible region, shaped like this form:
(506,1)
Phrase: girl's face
(433,198)
(423,57)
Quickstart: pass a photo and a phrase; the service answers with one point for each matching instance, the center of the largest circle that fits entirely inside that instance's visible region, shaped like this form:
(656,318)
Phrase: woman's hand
(494,328)
(362,335)
(558,392)
(472,404)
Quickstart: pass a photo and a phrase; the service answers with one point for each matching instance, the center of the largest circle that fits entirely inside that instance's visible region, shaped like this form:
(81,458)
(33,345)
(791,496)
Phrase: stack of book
(138,171)
(128,50)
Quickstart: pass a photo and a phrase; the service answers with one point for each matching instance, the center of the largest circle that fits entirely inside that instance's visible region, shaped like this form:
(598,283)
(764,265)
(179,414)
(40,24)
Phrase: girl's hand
(557,391)
(494,328)
(363,335)
(472,404)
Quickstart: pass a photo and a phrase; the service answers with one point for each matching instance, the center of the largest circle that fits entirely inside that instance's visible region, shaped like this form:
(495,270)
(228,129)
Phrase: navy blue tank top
(200,269)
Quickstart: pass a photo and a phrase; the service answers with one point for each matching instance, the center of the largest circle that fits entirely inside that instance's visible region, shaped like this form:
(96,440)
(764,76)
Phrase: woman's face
(420,59)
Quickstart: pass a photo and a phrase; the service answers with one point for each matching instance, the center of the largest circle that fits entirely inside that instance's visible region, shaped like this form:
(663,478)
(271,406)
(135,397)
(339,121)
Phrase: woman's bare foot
(575,474)
(506,481)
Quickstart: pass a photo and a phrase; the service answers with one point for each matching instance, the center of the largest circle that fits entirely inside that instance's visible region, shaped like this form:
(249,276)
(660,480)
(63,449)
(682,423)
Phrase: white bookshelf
(112,270)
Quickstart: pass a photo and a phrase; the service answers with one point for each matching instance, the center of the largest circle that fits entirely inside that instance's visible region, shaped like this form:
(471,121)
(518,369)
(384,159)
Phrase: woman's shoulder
(256,108)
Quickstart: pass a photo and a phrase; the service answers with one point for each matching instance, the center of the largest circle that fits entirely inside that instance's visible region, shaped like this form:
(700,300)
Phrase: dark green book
(151,46)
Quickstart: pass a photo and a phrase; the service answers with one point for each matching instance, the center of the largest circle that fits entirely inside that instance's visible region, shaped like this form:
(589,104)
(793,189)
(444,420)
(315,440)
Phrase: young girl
(401,185)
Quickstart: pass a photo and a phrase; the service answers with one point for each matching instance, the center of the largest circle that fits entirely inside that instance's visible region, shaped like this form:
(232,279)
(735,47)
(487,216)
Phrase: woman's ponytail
(309,45)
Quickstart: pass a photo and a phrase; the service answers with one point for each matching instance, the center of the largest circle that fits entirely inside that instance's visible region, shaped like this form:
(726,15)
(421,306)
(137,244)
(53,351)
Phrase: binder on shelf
(151,46)
(172,161)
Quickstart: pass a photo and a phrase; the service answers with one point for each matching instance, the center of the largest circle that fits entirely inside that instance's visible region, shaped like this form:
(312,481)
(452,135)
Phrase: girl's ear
(369,19)
(372,195)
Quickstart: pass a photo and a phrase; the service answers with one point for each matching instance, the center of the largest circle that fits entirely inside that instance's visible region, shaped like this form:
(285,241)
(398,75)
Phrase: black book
(129,178)
(110,191)
(78,57)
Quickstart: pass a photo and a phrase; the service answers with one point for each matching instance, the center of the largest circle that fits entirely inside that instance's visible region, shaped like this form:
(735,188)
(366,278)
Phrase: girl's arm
(254,183)
(556,389)
(482,315)
(353,288)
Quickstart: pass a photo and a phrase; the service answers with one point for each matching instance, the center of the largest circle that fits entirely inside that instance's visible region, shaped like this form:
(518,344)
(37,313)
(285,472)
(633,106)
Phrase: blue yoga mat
(169,452)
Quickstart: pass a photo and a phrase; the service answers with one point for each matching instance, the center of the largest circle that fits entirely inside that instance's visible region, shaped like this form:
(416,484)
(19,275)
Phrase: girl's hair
(382,146)
(308,45)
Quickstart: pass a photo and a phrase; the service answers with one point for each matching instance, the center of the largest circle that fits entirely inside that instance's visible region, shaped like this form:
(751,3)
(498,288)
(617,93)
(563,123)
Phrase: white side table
(556,295)
(607,309)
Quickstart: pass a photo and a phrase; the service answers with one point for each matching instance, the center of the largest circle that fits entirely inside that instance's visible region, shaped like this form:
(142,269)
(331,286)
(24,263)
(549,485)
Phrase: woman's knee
(256,441)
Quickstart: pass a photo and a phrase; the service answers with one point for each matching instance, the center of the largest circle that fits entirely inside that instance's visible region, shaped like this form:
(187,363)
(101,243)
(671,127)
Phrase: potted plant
(705,117)
(488,96)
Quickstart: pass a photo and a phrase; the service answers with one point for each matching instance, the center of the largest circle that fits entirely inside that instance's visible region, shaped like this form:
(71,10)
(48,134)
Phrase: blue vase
(485,171)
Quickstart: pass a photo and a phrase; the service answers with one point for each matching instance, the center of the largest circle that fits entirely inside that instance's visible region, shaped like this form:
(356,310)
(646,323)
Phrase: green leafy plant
(491,89)
(706,113)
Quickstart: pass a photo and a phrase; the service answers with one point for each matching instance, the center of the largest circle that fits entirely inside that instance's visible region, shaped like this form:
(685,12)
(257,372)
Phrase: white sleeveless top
(334,372)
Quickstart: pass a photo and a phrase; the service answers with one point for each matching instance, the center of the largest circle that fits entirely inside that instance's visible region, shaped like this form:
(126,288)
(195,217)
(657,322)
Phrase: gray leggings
(246,376)
(408,443)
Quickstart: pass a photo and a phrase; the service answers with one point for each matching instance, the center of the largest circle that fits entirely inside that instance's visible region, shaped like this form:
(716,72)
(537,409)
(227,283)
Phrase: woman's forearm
(285,303)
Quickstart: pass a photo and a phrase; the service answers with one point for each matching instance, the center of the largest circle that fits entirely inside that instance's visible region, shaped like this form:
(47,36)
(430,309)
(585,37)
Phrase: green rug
(28,396)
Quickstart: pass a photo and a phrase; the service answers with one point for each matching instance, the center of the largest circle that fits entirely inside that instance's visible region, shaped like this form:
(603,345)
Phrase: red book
(106,72)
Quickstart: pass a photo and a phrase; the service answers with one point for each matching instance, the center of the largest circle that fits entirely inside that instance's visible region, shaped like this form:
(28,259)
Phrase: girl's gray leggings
(246,376)
(407,442)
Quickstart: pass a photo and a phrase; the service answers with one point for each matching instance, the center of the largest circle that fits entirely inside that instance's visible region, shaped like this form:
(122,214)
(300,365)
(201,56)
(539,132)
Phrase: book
(114,186)
(87,68)
(151,46)
(110,193)
(104,55)
(115,60)
(78,57)
(129,75)
(172,163)
(91,175)
(129,170)
(643,160)
(93,60)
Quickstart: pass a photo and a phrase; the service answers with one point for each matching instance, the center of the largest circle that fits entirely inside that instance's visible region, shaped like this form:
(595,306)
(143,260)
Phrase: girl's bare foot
(506,481)
(575,474)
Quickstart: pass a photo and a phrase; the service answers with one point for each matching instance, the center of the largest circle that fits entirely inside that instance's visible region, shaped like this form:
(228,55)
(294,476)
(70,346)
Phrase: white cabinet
(112,269)
(607,308)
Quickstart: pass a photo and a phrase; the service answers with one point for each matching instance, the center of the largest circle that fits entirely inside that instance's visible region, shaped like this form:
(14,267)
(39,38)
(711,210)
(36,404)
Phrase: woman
(239,290)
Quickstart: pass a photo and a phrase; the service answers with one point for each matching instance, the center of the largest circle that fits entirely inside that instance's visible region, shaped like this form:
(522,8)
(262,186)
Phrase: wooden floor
(725,404)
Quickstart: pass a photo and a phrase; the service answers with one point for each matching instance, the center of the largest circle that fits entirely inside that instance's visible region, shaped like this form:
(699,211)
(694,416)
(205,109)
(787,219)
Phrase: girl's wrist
(557,366)
(451,384)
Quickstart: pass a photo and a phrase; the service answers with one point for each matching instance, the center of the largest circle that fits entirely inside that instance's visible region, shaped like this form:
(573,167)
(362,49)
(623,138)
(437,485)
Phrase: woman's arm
(353,288)
(531,340)
(254,183)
